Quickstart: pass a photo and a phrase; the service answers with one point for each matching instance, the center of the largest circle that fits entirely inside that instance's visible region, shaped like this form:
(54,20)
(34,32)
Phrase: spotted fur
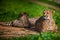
(46,22)
(22,21)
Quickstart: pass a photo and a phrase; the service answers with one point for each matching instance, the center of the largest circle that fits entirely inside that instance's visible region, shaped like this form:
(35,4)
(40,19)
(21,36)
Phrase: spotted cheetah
(46,22)
(22,21)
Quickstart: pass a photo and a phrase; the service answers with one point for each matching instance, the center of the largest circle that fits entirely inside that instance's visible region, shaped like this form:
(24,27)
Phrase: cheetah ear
(26,13)
(53,11)
(44,11)
(23,13)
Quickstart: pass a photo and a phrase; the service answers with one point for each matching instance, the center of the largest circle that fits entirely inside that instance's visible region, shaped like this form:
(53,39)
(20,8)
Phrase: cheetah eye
(44,13)
(47,12)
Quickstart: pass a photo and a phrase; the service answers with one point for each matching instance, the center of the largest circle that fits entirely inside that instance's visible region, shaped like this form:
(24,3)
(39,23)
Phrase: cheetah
(22,21)
(46,22)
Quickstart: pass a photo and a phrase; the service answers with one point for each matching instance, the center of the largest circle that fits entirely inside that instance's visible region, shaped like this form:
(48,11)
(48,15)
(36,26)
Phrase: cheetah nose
(45,16)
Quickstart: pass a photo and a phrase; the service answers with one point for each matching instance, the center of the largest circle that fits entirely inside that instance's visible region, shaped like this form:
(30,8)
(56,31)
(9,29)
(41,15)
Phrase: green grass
(50,2)
(50,36)
(42,36)
(10,10)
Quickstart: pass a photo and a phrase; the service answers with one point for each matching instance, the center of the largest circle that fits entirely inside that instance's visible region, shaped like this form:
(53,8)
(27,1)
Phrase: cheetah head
(48,14)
